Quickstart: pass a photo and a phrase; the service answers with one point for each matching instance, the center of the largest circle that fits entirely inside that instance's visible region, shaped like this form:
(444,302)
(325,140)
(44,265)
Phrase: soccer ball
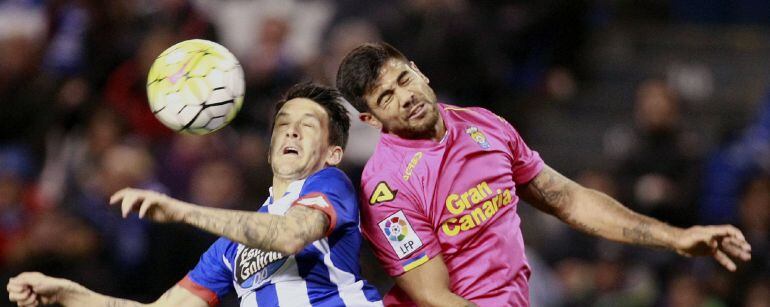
(195,86)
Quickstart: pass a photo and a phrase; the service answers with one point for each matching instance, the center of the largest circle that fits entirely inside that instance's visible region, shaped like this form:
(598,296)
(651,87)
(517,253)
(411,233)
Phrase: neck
(279,186)
(440,129)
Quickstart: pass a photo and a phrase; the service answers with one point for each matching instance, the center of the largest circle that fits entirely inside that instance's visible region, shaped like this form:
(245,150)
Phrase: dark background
(661,104)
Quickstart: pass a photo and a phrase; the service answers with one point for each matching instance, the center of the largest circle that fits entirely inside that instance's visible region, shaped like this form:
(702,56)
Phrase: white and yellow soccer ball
(195,86)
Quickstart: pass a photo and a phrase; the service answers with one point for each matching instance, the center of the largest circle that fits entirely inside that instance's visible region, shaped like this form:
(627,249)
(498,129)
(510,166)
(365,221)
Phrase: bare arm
(35,289)
(286,234)
(597,214)
(428,285)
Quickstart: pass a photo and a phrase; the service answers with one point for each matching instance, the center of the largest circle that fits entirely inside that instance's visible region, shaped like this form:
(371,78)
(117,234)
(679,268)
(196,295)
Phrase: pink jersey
(455,198)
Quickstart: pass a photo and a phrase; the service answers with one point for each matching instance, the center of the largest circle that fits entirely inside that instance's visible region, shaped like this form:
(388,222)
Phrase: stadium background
(661,104)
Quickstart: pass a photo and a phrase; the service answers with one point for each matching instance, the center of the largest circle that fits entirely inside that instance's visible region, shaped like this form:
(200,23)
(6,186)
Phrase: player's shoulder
(330,177)
(329,173)
(223,246)
(469,113)
(478,117)
(385,163)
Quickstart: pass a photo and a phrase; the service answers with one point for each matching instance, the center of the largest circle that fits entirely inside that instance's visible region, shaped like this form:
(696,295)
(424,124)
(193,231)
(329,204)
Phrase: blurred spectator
(179,159)
(657,169)
(343,37)
(684,290)
(125,88)
(65,53)
(183,16)
(217,184)
(251,152)
(16,209)
(758,294)
(732,165)
(72,100)
(617,280)
(754,211)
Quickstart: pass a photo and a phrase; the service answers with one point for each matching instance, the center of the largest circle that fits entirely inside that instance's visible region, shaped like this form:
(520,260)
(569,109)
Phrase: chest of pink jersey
(466,185)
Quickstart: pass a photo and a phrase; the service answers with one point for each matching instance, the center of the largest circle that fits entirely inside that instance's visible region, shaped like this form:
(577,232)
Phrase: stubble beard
(423,130)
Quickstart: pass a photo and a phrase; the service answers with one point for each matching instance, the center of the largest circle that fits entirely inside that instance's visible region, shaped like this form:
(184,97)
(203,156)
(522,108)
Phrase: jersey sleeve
(526,162)
(331,192)
(401,235)
(211,279)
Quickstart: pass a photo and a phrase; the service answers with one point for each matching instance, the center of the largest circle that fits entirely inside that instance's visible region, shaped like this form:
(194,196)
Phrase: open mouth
(290,150)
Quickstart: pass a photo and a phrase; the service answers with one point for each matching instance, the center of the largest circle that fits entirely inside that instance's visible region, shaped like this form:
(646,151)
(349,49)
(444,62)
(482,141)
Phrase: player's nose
(292,131)
(406,98)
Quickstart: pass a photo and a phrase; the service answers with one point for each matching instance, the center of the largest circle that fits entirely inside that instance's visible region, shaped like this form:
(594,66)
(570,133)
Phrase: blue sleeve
(339,191)
(211,271)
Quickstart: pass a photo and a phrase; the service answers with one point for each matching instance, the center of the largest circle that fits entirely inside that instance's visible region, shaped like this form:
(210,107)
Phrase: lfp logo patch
(478,136)
(400,234)
(395,229)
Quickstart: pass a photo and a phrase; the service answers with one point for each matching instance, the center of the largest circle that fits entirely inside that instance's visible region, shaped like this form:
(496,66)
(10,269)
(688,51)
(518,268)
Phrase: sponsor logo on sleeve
(400,234)
(382,193)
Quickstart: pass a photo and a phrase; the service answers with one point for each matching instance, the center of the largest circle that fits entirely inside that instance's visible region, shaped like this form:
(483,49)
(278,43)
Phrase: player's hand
(723,242)
(35,289)
(150,204)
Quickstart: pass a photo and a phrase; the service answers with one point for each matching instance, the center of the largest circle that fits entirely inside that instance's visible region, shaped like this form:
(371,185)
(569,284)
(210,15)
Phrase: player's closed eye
(386,100)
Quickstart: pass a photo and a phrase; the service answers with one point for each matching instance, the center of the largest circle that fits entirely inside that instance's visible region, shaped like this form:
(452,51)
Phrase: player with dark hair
(443,185)
(300,249)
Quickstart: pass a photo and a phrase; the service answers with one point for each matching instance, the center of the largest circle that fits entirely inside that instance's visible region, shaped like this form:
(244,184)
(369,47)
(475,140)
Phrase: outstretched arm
(428,285)
(597,214)
(35,289)
(286,234)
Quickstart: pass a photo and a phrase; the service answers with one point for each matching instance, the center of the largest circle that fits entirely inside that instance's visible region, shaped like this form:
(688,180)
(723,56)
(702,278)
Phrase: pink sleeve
(401,236)
(526,162)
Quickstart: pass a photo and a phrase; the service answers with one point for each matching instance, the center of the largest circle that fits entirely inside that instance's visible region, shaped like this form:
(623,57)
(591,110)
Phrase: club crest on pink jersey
(477,136)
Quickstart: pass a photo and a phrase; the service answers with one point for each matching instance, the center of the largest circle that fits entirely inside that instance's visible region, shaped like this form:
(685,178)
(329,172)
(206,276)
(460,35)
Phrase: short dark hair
(360,69)
(330,100)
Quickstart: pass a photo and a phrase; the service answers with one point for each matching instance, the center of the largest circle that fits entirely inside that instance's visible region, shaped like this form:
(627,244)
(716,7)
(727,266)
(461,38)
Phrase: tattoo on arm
(641,234)
(581,226)
(118,302)
(550,188)
(250,228)
(593,212)
(260,230)
(307,224)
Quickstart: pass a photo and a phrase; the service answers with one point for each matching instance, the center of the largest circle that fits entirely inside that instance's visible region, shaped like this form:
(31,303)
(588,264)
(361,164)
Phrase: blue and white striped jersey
(325,273)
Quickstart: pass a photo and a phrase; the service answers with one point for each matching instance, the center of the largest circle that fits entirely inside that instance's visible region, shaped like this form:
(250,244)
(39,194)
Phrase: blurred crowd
(75,128)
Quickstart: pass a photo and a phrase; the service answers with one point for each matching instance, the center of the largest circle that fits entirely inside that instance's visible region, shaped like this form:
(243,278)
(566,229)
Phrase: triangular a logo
(382,193)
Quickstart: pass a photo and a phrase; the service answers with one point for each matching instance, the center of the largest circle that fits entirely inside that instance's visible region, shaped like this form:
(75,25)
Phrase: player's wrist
(70,293)
(185,211)
(674,239)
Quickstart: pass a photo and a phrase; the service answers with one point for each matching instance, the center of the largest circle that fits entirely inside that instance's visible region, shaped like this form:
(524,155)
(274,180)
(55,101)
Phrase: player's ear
(419,73)
(334,156)
(370,120)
